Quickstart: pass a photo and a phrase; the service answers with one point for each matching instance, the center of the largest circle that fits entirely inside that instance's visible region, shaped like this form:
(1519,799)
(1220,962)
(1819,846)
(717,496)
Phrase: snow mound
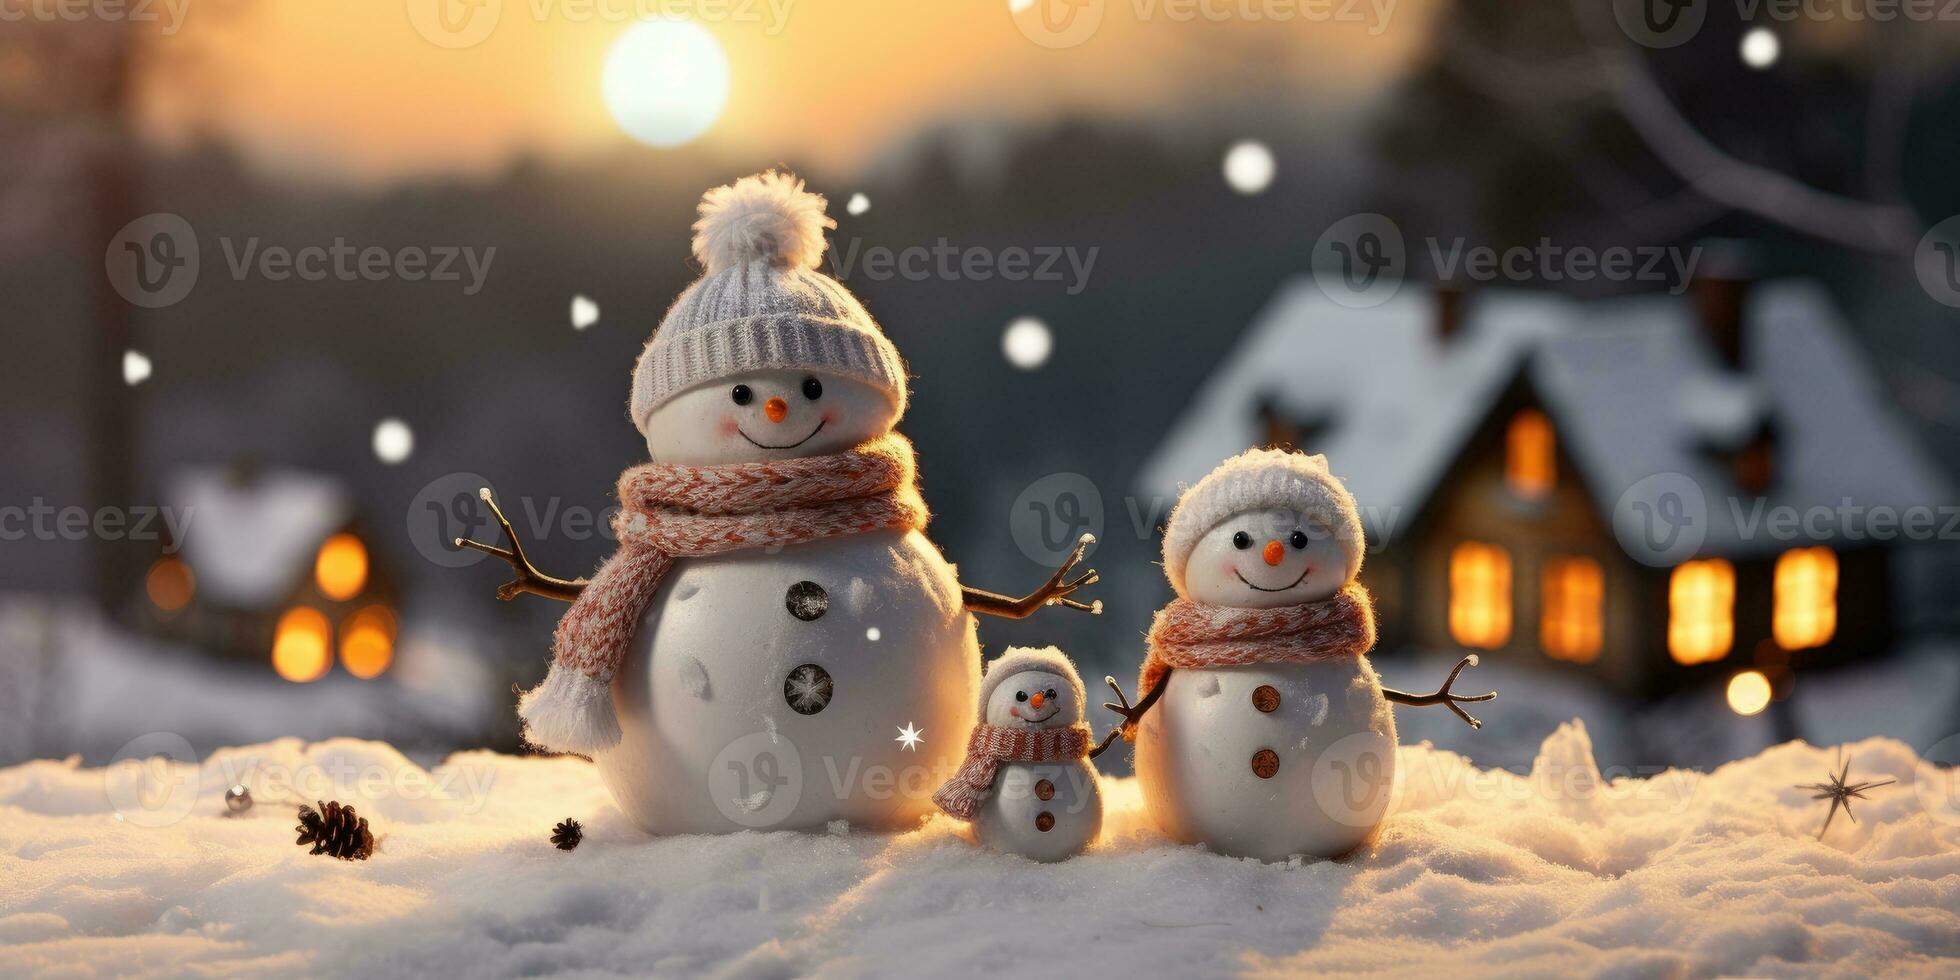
(1561,870)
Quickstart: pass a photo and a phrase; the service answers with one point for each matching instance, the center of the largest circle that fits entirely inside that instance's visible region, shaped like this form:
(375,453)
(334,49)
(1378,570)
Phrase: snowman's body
(764,689)
(1042,811)
(1270,760)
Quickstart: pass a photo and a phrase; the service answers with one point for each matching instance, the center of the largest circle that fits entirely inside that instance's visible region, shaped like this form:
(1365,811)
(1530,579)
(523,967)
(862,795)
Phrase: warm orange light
(1806,598)
(1749,693)
(341,570)
(301,648)
(1572,625)
(170,584)
(1480,595)
(1530,457)
(1701,611)
(367,642)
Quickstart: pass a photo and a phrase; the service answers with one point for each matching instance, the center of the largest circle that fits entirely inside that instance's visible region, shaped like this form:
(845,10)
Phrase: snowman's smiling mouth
(1027,720)
(792,445)
(1304,572)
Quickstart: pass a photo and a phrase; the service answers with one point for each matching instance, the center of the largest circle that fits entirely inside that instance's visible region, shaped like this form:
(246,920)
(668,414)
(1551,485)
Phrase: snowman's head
(764,357)
(1034,699)
(1265,558)
(764,415)
(1029,688)
(1266,528)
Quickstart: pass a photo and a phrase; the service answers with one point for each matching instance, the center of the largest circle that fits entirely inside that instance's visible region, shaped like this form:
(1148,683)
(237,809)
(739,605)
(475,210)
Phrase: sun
(666,81)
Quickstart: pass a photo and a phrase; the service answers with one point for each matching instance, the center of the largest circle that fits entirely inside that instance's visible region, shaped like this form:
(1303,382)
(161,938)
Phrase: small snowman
(775,642)
(1275,737)
(1027,784)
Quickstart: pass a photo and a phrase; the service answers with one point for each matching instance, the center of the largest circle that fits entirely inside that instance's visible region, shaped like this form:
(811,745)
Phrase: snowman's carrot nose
(776,409)
(1035,699)
(1274,553)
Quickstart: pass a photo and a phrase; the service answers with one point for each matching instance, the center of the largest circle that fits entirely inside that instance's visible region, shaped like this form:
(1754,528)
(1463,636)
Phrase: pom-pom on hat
(761,304)
(1263,480)
(1014,660)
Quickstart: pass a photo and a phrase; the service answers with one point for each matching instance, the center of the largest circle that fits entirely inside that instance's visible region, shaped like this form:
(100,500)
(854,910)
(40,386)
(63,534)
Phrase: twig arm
(1054,592)
(1131,713)
(528,579)
(1443,696)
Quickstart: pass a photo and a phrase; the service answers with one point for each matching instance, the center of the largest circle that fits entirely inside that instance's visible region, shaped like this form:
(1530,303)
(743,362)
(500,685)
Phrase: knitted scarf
(992,745)
(668,512)
(1198,634)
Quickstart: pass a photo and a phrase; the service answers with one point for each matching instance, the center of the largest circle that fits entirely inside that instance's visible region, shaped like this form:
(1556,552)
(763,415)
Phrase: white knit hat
(1262,480)
(1013,660)
(762,304)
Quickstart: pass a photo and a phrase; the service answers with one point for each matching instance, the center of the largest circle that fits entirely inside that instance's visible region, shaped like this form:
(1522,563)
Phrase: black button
(807,689)
(807,601)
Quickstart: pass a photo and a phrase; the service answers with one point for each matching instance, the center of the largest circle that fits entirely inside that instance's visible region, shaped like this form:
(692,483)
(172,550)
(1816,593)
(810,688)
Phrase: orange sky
(352,88)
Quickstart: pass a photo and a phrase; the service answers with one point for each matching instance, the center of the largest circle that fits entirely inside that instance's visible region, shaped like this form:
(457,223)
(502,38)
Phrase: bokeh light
(341,569)
(1760,48)
(170,584)
(394,441)
(1027,342)
(300,645)
(1749,693)
(1249,167)
(666,81)
(367,642)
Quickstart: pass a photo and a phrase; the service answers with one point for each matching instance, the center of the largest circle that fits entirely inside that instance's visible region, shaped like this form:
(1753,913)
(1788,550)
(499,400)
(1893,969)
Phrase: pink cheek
(828,415)
(1228,569)
(1016,712)
(728,426)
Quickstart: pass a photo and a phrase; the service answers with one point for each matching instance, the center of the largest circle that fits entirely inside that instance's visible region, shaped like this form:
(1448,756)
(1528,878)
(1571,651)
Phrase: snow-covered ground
(1477,872)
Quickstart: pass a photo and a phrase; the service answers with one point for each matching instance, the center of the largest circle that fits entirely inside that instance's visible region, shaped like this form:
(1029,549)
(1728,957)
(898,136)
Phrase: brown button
(1265,697)
(1044,790)
(1265,763)
(1044,821)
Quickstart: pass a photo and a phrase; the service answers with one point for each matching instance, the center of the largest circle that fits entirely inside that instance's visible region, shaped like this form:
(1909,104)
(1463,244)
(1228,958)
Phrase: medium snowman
(775,644)
(1274,737)
(1027,784)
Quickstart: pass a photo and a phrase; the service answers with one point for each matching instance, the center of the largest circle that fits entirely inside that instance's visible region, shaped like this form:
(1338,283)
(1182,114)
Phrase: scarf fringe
(569,712)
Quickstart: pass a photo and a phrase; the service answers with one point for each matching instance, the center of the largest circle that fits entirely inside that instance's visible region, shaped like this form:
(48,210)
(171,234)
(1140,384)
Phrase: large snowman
(775,644)
(1027,783)
(1274,736)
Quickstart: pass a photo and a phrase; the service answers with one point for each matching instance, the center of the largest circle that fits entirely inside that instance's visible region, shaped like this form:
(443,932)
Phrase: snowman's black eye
(1020,695)
(742,395)
(812,389)
(1298,540)
(1241,540)
(1049,694)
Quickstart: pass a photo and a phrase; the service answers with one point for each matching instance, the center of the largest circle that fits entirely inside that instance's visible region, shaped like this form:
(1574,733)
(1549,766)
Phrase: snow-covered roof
(250,540)
(1633,386)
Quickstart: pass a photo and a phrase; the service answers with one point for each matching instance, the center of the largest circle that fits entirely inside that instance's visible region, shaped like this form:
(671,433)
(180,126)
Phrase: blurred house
(273,569)
(1652,490)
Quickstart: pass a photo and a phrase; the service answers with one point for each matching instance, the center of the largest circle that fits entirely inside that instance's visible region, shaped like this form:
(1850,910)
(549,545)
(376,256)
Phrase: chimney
(1720,292)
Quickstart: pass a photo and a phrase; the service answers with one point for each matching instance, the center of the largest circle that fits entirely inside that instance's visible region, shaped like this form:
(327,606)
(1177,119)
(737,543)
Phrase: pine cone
(335,829)
(567,834)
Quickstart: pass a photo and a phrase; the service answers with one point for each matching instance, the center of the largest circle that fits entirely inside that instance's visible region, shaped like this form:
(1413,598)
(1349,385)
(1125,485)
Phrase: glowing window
(1480,595)
(1572,625)
(1806,598)
(1530,464)
(301,645)
(367,642)
(1701,611)
(341,570)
